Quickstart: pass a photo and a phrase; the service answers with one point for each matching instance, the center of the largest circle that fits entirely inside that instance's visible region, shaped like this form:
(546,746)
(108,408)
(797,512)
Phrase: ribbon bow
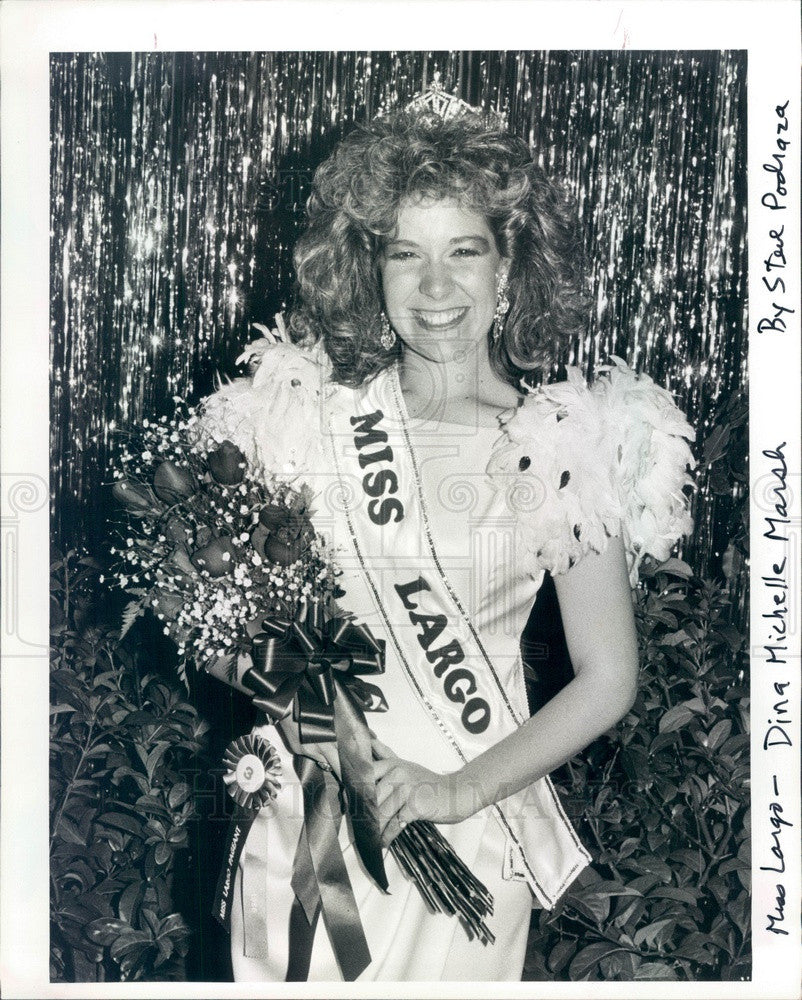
(302,663)
(313,667)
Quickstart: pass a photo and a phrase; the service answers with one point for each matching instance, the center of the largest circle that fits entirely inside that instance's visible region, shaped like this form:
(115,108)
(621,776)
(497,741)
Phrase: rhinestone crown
(448,106)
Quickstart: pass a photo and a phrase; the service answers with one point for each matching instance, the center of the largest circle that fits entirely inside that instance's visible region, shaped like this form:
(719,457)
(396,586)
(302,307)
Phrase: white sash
(428,631)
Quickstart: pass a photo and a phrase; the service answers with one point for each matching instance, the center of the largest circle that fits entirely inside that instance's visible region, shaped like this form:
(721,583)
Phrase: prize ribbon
(313,667)
(253,771)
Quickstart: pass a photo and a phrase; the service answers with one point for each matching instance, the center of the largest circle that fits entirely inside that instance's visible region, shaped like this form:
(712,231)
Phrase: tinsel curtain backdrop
(178,183)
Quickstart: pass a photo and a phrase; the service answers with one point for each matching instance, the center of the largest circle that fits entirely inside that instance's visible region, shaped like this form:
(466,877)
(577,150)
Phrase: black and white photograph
(418,560)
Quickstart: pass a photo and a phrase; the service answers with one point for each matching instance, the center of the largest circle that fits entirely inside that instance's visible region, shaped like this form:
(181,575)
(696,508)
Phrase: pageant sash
(427,627)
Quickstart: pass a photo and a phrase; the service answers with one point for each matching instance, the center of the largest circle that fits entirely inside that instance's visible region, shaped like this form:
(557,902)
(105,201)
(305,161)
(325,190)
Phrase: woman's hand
(406,792)
(324,755)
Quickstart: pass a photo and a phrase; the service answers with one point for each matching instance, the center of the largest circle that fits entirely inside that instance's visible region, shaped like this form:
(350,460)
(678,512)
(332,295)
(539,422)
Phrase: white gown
(491,545)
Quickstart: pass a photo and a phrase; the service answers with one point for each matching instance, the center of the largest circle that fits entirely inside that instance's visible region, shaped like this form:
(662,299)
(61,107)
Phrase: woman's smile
(439,319)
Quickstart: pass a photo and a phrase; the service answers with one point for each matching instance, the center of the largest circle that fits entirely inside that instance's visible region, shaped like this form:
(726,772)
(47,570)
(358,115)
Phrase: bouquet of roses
(230,564)
(208,548)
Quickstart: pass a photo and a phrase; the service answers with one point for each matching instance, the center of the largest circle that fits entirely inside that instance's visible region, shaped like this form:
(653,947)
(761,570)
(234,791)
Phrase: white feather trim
(274,418)
(585,464)
(648,434)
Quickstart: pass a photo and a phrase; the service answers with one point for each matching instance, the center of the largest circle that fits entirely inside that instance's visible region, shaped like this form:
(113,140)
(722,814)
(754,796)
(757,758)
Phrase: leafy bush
(725,461)
(664,801)
(121,743)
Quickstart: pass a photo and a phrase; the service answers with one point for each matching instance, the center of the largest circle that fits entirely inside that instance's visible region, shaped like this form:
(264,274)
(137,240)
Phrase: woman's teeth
(440,319)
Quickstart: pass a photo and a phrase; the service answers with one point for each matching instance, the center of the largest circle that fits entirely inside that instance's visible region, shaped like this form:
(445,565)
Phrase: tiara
(438,101)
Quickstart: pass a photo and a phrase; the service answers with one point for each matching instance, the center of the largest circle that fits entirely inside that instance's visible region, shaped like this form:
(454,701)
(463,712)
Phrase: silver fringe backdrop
(178,185)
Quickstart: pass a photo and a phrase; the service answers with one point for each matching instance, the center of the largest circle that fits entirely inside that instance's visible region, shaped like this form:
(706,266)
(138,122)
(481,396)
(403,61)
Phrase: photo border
(769,31)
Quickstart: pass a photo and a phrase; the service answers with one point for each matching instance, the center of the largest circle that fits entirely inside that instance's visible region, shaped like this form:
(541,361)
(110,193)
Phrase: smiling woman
(438,272)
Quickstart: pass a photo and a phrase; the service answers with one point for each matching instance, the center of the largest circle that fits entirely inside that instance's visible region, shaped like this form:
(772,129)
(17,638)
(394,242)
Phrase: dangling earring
(502,308)
(387,338)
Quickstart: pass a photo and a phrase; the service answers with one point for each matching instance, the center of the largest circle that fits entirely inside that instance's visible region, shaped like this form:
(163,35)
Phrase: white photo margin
(30,31)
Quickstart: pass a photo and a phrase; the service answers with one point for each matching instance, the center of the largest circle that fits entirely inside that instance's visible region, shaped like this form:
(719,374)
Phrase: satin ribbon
(301,663)
(309,666)
(320,879)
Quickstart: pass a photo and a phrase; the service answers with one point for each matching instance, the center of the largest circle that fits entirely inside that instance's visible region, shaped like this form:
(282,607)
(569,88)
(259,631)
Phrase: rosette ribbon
(253,771)
(314,667)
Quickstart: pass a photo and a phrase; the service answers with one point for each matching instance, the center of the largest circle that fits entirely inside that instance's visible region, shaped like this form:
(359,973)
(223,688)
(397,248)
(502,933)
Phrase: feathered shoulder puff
(584,464)
(577,464)
(275,415)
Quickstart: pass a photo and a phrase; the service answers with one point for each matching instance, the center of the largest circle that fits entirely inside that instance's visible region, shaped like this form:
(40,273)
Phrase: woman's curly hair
(354,206)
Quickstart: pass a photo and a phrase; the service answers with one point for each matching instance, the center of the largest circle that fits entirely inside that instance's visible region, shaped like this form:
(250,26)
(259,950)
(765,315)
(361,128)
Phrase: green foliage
(725,460)
(121,743)
(664,806)
(723,489)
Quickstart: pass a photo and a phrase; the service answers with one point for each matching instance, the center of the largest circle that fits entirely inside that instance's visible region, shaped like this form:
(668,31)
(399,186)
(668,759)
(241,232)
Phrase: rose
(283,553)
(281,535)
(172,483)
(217,558)
(288,524)
(273,517)
(179,558)
(226,464)
(273,548)
(139,499)
(177,530)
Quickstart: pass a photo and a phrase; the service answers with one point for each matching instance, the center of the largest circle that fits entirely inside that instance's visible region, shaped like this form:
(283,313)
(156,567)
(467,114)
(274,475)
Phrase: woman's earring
(387,338)
(502,307)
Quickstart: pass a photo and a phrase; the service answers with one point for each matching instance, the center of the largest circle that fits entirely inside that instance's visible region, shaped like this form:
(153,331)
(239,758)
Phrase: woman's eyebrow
(475,237)
(456,239)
